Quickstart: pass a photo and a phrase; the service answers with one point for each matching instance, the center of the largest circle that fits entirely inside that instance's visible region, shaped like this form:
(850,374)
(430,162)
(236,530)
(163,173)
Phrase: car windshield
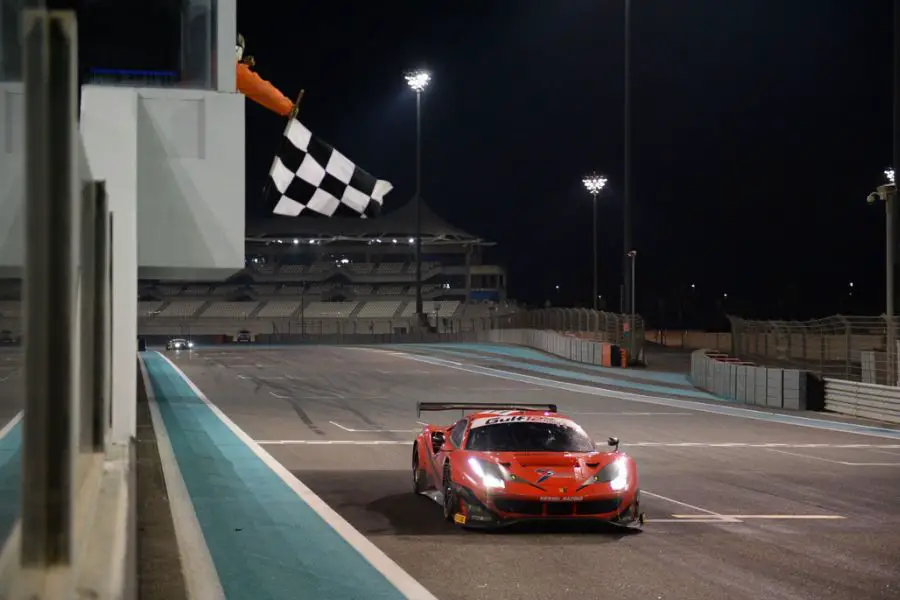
(528,437)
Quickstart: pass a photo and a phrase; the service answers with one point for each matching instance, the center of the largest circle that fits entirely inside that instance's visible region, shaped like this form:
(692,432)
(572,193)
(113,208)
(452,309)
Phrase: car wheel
(418,473)
(451,502)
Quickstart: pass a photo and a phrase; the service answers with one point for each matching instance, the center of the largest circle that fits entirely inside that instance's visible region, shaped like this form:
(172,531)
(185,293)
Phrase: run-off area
(737,508)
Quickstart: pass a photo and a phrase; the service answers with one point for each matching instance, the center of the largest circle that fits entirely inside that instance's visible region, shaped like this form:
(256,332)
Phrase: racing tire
(418,473)
(451,502)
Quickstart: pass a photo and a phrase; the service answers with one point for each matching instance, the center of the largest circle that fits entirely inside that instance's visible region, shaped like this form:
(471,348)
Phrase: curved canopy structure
(400,223)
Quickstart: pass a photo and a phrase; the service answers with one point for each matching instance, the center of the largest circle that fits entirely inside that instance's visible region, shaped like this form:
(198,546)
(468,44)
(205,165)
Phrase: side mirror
(613,442)
(437,441)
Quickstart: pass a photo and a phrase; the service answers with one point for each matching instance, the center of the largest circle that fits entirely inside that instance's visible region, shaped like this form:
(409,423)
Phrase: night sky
(759,128)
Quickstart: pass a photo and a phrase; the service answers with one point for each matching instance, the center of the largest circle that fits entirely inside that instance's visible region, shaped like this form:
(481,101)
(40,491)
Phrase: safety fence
(620,330)
(851,348)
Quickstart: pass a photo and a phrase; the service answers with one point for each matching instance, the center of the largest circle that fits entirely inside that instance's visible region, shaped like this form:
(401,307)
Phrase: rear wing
(442,406)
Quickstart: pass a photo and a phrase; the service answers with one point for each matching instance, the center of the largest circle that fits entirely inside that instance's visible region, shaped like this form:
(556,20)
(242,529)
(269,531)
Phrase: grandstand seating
(379,309)
(181,309)
(390,290)
(362,290)
(196,290)
(11,310)
(147,309)
(229,310)
(278,309)
(447,308)
(290,290)
(389,268)
(264,290)
(362,268)
(329,310)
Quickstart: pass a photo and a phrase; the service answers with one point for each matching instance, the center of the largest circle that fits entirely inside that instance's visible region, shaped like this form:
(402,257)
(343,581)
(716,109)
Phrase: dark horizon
(758,131)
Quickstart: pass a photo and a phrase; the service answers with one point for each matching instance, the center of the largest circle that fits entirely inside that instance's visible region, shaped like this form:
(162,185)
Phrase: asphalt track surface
(752,509)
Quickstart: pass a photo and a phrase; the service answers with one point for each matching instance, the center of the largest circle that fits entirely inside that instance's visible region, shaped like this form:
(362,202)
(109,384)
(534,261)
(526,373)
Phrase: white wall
(12,178)
(109,130)
(190,183)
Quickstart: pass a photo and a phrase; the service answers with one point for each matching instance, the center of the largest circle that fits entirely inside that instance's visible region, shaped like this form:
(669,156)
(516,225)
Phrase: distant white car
(179,344)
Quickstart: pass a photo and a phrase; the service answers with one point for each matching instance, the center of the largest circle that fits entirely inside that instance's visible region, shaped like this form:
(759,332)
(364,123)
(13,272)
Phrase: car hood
(549,472)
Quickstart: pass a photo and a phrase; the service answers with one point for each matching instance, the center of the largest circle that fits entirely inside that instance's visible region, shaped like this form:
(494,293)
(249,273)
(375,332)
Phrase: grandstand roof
(398,223)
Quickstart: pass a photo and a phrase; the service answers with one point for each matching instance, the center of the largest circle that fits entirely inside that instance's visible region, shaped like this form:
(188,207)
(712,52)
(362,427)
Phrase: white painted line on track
(717,409)
(279,396)
(767,445)
(634,414)
(706,512)
(336,424)
(704,519)
(333,442)
(407,586)
(837,462)
(12,423)
(686,518)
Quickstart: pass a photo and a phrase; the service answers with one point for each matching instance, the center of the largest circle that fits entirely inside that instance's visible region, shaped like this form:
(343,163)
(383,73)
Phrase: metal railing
(852,348)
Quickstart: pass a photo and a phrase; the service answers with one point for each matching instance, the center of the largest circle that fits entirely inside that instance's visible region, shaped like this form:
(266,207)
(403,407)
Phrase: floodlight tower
(418,80)
(594,184)
(888,193)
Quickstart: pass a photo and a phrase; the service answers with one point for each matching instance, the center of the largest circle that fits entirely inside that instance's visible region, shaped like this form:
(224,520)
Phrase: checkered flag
(310,177)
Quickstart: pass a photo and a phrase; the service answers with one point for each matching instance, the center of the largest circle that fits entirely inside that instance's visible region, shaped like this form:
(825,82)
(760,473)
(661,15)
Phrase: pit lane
(737,508)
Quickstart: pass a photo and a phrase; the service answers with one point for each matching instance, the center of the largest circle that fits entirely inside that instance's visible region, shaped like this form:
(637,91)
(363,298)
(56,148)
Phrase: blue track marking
(10,479)
(728,410)
(598,380)
(531,354)
(265,541)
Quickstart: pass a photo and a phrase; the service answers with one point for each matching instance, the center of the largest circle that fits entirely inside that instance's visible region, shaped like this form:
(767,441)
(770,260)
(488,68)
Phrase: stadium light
(889,174)
(594,184)
(418,80)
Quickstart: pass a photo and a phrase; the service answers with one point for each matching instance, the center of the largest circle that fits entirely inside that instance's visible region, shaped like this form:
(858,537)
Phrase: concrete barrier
(757,385)
(866,400)
(565,346)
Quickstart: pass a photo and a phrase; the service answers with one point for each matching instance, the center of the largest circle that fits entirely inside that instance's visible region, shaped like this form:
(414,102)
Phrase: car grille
(557,509)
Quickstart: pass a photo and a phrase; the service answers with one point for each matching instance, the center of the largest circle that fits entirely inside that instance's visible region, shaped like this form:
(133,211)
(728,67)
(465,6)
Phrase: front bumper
(499,511)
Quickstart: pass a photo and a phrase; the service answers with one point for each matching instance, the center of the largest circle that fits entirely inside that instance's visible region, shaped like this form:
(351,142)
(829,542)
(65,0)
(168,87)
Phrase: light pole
(626,184)
(888,193)
(595,184)
(418,80)
(633,259)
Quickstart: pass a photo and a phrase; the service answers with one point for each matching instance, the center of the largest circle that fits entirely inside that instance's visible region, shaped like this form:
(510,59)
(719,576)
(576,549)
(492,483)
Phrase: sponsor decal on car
(459,518)
(562,498)
(484,421)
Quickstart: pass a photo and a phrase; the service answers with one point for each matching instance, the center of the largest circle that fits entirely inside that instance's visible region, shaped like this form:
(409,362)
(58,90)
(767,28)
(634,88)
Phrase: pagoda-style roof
(399,223)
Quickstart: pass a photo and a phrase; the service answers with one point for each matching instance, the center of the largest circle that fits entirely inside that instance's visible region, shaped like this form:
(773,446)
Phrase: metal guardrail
(852,348)
(865,400)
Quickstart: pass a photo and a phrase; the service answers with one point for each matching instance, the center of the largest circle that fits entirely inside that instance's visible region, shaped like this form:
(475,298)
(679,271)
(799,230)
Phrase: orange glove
(262,92)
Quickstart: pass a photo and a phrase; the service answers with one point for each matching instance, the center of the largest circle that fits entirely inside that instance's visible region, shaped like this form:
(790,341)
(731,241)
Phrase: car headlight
(615,473)
(492,475)
(190,344)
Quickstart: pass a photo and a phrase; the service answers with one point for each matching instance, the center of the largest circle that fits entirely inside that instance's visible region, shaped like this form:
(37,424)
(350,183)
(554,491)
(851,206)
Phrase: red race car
(508,463)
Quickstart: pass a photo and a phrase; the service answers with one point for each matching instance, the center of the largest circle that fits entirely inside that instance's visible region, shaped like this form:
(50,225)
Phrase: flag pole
(286,125)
